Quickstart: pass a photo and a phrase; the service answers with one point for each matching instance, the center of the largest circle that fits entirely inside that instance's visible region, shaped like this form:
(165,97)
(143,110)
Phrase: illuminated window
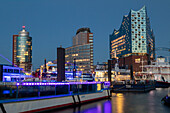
(137,60)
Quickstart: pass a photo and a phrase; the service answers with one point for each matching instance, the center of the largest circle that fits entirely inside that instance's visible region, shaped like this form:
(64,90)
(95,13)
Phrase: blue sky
(52,23)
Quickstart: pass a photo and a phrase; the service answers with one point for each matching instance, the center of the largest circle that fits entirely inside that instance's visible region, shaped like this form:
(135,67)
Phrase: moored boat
(40,96)
(158,71)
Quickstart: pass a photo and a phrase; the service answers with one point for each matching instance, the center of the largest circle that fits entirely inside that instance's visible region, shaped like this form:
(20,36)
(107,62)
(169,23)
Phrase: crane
(162,49)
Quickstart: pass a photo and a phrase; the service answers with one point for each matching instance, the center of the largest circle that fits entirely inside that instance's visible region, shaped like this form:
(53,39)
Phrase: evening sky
(52,23)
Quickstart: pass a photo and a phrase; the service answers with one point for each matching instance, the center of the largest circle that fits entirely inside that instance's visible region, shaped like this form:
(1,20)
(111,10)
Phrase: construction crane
(162,49)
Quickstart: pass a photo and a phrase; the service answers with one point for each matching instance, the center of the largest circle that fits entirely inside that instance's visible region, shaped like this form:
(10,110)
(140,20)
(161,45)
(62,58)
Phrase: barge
(26,97)
(137,86)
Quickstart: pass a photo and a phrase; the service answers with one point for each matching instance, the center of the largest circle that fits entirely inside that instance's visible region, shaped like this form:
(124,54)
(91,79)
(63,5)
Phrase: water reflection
(105,107)
(118,104)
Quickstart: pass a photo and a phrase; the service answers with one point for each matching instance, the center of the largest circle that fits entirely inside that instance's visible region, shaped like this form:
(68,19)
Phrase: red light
(23,27)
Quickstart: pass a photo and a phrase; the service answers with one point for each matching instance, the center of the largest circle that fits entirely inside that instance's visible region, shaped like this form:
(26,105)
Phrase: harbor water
(148,102)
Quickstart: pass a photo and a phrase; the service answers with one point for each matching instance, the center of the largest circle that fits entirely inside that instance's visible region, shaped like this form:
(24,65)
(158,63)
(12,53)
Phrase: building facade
(22,50)
(81,51)
(134,38)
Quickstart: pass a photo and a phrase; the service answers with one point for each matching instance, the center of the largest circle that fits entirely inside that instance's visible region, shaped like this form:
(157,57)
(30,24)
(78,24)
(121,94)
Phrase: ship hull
(44,104)
(161,84)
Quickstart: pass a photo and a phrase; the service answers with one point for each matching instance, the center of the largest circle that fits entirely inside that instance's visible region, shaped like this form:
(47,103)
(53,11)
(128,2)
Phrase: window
(90,34)
(137,60)
(5,70)
(16,71)
(10,70)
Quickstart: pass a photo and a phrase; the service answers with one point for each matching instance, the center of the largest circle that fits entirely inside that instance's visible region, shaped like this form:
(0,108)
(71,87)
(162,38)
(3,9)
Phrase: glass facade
(23,51)
(134,36)
(82,51)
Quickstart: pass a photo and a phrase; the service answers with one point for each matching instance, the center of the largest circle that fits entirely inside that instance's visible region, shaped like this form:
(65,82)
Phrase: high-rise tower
(134,41)
(82,50)
(22,50)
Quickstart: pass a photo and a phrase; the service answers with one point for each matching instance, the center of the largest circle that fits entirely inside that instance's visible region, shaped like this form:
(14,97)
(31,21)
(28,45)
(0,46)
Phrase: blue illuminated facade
(134,37)
(12,74)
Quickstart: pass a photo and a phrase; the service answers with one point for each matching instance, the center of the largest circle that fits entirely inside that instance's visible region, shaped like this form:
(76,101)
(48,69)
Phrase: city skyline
(52,23)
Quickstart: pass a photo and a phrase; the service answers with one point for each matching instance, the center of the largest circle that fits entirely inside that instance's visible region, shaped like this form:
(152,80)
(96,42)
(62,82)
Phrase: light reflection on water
(149,102)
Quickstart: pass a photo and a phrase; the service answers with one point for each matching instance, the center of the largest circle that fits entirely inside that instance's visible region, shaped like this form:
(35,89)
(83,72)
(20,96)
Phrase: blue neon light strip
(58,83)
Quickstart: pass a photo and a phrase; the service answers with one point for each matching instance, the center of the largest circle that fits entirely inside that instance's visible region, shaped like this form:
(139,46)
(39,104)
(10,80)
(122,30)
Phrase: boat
(133,86)
(26,97)
(157,71)
(166,99)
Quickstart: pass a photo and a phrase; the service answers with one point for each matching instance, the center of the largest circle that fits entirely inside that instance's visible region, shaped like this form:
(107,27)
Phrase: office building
(22,50)
(134,42)
(81,51)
